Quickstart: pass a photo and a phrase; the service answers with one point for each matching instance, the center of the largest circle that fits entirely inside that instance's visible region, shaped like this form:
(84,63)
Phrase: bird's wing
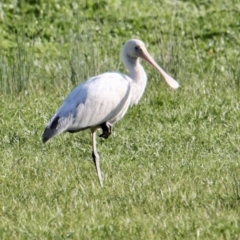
(102,98)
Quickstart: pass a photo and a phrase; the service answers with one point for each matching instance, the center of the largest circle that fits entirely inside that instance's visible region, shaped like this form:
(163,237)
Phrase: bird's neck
(139,77)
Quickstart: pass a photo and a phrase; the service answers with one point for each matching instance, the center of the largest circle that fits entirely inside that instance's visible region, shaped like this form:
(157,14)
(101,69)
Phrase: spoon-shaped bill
(170,81)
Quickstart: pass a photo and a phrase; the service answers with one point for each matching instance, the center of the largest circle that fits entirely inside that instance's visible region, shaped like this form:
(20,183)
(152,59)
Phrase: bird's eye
(136,48)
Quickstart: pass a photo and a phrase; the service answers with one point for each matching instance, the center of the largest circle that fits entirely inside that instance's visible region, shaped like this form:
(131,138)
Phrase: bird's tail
(56,126)
(48,134)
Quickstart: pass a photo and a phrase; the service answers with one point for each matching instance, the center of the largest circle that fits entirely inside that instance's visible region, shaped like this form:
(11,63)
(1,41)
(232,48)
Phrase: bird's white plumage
(104,99)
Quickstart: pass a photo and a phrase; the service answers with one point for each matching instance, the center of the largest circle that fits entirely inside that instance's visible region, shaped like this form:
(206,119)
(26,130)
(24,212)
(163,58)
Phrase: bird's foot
(107,130)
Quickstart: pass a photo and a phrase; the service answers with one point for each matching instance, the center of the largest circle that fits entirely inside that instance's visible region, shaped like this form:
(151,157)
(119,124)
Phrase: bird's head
(134,49)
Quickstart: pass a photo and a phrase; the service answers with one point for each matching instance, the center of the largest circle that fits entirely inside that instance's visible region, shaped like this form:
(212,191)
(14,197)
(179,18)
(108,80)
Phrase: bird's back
(102,98)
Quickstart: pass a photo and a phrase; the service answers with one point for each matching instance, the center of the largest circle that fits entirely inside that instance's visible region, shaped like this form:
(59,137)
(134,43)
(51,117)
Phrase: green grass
(171,167)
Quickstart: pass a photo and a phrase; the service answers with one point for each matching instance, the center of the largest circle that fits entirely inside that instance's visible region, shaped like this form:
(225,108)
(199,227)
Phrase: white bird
(103,100)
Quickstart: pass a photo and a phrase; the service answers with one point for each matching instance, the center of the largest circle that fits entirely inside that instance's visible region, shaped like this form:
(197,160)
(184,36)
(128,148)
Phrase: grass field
(171,167)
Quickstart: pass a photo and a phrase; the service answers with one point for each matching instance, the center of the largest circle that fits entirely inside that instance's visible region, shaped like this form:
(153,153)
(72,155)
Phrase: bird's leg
(107,130)
(96,158)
